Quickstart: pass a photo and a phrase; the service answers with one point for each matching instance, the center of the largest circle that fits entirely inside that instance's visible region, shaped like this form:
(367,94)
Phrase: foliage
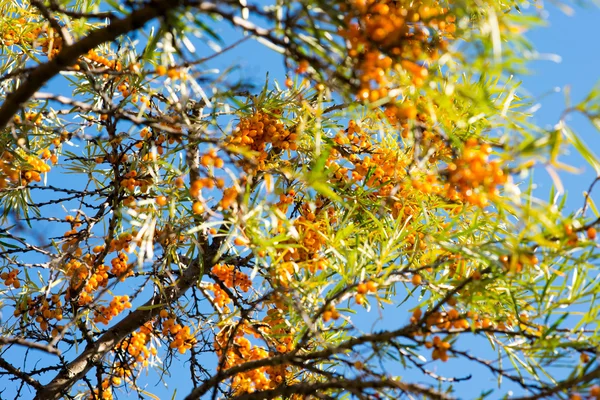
(161,219)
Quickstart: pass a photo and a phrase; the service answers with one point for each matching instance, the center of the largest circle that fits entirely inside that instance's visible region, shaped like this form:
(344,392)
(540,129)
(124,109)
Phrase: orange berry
(240,241)
(161,70)
(302,67)
(591,233)
(584,358)
(362,288)
(568,229)
(197,207)
(161,200)
(371,286)
(416,279)
(360,299)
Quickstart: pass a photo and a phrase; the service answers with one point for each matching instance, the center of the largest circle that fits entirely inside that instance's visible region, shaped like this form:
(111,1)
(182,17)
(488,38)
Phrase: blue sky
(573,38)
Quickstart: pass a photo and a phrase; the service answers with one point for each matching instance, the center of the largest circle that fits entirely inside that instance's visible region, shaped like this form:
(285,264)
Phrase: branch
(69,54)
(593,375)
(79,367)
(63,32)
(32,345)
(293,357)
(345,384)
(19,374)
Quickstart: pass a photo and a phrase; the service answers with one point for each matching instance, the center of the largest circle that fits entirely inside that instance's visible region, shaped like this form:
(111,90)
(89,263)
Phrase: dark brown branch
(343,384)
(63,32)
(293,357)
(5,365)
(26,343)
(69,54)
(79,367)
(569,384)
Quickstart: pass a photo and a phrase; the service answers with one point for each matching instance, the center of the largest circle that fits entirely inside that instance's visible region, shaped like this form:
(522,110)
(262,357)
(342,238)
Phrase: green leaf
(581,147)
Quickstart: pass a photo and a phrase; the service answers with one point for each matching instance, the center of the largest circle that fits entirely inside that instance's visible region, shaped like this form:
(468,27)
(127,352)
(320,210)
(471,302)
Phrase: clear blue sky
(575,40)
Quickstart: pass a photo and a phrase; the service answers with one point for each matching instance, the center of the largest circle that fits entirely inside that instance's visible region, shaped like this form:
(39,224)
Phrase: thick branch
(69,54)
(344,384)
(79,367)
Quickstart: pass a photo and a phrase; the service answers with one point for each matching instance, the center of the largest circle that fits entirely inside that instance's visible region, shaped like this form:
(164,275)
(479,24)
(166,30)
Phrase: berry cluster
(120,268)
(13,33)
(11,279)
(122,242)
(280,331)
(383,37)
(362,289)
(21,172)
(232,278)
(137,346)
(210,159)
(440,348)
(472,177)
(130,182)
(79,272)
(220,298)
(258,131)
(238,352)
(183,339)
(93,57)
(330,314)
(105,393)
(42,36)
(117,305)
(44,310)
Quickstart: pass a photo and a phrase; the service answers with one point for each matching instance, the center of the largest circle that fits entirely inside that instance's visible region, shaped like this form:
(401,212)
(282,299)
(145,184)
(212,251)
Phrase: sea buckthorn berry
(362,288)
(161,200)
(359,298)
(416,279)
(591,233)
(260,130)
(302,67)
(197,208)
(584,358)
(371,286)
(239,241)
(568,229)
